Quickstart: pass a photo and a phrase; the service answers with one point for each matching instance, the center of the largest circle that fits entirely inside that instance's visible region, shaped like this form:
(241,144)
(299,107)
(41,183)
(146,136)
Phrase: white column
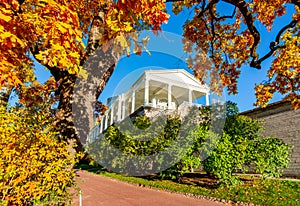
(146,102)
(101,125)
(133,102)
(112,115)
(207,99)
(169,96)
(106,121)
(97,131)
(190,96)
(123,108)
(119,108)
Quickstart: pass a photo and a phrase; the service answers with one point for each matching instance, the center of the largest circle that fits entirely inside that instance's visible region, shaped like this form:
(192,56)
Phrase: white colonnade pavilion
(161,89)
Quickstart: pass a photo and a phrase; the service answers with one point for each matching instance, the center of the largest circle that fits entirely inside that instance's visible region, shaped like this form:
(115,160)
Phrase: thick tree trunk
(64,116)
(75,115)
(99,67)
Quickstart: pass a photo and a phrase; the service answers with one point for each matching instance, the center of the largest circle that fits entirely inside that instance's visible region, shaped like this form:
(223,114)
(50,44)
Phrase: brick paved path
(99,190)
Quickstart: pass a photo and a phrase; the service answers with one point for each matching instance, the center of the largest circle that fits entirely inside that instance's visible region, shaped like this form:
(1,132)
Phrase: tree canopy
(62,35)
(231,39)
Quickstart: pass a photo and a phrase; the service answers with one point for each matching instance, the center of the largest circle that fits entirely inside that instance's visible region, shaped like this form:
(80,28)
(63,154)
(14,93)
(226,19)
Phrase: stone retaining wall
(282,121)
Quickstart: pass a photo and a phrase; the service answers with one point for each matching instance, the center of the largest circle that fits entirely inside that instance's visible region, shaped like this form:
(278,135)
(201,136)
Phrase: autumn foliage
(34,166)
(230,39)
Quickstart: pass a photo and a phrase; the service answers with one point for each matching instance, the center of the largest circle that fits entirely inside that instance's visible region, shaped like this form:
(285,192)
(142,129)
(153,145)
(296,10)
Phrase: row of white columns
(170,95)
(122,107)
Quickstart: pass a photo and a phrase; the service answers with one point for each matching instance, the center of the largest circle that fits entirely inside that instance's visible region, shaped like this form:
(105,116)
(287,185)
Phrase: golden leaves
(284,73)
(13,59)
(54,31)
(5,15)
(34,165)
(268,11)
(264,93)
(61,35)
(123,16)
(228,42)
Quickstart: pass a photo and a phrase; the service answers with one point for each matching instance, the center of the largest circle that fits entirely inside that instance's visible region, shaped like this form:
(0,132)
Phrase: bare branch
(290,25)
(227,17)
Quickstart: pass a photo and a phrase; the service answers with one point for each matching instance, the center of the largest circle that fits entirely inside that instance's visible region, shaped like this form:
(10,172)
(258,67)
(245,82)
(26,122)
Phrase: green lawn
(263,192)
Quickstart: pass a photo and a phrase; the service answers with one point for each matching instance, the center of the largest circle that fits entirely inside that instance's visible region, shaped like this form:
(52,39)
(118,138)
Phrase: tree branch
(55,71)
(95,36)
(273,45)
(226,17)
(296,2)
(242,6)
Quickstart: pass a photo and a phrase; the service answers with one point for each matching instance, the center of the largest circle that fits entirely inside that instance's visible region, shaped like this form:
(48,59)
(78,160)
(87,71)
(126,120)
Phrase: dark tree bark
(4,95)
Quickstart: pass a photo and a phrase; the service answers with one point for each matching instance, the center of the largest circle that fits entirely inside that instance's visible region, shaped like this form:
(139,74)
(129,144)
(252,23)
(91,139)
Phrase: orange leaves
(231,40)
(12,47)
(60,32)
(264,93)
(268,11)
(122,17)
(53,31)
(38,95)
(284,72)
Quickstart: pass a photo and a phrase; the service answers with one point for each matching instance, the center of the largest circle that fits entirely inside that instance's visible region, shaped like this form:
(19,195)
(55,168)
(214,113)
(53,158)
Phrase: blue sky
(166,53)
(248,78)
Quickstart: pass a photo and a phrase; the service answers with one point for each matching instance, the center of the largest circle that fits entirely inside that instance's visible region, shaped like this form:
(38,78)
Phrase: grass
(251,190)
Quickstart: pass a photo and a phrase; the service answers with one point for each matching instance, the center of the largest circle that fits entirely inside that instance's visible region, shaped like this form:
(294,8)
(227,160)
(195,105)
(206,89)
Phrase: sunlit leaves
(268,11)
(230,40)
(13,60)
(34,165)
(53,32)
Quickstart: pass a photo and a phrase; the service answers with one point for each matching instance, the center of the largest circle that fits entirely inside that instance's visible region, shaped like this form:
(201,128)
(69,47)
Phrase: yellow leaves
(83,73)
(4,15)
(57,27)
(267,11)
(263,93)
(34,165)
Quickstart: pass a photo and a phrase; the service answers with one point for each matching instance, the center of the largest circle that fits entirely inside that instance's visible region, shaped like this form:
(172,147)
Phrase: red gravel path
(99,190)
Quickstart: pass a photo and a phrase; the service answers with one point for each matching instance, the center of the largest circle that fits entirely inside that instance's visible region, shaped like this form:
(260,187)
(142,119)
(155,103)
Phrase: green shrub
(226,157)
(235,150)
(241,147)
(272,155)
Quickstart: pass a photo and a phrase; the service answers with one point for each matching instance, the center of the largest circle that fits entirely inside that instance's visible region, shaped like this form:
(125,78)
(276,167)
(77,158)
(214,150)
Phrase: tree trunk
(75,115)
(4,95)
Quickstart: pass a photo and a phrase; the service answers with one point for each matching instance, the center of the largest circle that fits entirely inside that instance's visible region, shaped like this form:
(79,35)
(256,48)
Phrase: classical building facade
(156,90)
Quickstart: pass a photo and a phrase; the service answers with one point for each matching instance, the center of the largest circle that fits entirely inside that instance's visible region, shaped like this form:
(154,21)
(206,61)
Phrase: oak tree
(62,36)
(230,39)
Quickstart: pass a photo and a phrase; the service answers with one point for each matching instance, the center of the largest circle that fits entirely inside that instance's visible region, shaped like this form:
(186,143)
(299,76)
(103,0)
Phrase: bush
(226,157)
(191,159)
(241,147)
(236,149)
(272,155)
(142,144)
(35,168)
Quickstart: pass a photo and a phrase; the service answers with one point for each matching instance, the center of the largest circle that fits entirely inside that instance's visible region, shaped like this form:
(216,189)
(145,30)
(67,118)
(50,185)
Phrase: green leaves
(271,157)
(240,147)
